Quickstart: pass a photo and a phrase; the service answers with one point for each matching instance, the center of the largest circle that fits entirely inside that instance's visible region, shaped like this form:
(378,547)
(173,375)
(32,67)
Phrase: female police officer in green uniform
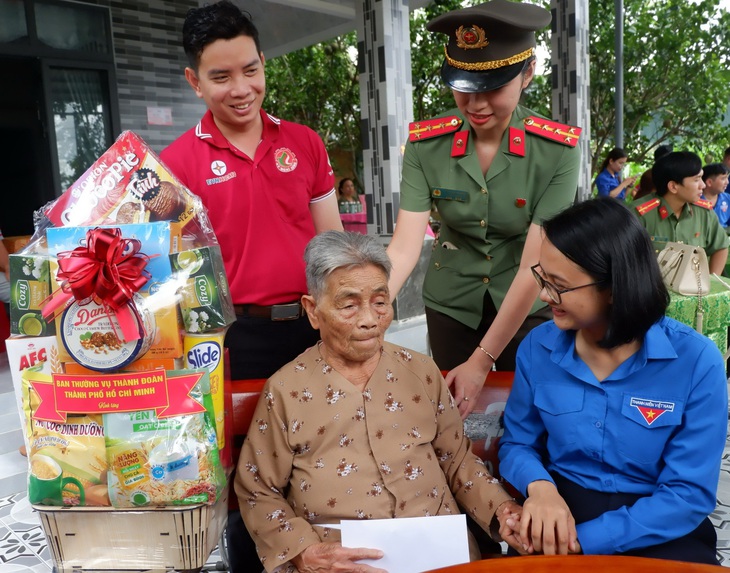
(494,170)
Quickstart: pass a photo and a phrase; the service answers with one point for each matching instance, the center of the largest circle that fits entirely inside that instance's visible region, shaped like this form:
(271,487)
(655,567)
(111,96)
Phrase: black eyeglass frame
(552,290)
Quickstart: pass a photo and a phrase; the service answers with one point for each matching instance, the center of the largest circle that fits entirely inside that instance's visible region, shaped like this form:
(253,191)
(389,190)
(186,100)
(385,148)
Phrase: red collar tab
(552,130)
(516,141)
(458,146)
(426,129)
(663,212)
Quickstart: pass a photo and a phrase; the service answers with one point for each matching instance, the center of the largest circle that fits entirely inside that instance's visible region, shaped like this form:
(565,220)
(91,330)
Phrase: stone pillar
(384,65)
(571,77)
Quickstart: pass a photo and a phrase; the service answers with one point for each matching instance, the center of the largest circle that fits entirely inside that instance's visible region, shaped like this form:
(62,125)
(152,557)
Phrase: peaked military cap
(488,43)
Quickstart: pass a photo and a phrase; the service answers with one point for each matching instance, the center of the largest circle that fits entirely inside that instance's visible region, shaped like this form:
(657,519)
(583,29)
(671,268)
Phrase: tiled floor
(23,546)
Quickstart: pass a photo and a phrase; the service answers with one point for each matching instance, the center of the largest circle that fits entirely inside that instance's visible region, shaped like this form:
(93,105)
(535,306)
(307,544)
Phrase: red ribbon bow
(109,269)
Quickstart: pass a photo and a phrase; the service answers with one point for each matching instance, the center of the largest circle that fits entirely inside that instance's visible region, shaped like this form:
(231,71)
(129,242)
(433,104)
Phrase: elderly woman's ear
(309,307)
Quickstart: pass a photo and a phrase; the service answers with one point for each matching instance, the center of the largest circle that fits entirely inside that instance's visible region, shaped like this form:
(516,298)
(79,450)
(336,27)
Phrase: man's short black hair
(675,167)
(220,21)
(713,170)
(662,150)
(727,153)
(609,243)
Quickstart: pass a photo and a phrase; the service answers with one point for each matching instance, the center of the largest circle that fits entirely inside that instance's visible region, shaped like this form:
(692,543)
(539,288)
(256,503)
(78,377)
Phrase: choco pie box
(127,184)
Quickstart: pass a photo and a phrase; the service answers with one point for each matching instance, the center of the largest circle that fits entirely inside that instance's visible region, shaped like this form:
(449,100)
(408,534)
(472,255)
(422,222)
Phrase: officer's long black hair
(607,241)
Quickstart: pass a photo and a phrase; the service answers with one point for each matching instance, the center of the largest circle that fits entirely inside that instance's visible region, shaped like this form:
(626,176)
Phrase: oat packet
(164,461)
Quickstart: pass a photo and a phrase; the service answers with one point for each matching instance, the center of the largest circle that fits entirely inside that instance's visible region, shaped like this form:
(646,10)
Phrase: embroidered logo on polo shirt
(650,410)
(218,167)
(285,159)
(220,170)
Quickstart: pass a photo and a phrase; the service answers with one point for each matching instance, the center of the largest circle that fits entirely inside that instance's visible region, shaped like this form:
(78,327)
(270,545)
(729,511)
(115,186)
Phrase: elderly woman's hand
(332,557)
(508,514)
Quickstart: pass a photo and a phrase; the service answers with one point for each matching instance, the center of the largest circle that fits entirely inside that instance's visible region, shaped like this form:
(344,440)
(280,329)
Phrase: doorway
(26,181)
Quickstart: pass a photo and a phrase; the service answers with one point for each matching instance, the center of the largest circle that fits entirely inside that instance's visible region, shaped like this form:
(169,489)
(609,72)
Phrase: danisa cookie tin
(92,340)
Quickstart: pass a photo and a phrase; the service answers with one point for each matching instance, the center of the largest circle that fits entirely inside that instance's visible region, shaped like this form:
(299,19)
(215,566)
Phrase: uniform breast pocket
(560,407)
(293,207)
(649,424)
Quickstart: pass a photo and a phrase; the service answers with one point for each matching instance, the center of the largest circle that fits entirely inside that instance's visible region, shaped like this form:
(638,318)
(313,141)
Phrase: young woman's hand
(546,524)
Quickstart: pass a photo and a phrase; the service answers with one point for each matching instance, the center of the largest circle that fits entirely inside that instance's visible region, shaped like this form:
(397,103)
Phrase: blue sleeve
(686,489)
(522,446)
(605,183)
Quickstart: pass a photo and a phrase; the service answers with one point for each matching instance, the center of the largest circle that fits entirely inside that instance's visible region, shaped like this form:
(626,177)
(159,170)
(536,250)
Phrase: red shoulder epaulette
(703,203)
(428,128)
(552,130)
(650,205)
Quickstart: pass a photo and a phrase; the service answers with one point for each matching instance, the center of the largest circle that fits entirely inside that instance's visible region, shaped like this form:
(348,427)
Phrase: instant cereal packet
(164,461)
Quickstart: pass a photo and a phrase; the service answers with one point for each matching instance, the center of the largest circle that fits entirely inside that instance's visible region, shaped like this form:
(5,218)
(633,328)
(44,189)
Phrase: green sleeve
(717,239)
(415,194)
(562,187)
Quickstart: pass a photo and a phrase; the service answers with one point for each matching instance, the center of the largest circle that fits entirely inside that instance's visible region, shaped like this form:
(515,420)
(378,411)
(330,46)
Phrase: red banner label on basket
(129,392)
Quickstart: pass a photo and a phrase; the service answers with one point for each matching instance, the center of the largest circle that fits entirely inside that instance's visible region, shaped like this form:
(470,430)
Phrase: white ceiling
(288,25)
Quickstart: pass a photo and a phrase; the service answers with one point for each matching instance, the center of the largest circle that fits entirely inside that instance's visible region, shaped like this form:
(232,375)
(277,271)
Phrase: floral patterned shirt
(319,450)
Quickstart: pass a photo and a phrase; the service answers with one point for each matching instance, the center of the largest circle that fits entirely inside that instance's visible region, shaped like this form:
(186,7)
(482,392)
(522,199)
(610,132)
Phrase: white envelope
(410,544)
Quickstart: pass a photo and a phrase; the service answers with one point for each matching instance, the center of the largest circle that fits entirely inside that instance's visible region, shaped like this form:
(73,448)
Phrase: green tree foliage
(318,86)
(676,79)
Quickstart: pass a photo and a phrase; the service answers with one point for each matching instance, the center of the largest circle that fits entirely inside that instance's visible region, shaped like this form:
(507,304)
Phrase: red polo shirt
(259,208)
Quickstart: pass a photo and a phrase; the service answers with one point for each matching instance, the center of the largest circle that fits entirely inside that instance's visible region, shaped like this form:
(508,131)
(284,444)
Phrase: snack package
(67,459)
(164,461)
(29,288)
(36,354)
(127,184)
(206,304)
(98,273)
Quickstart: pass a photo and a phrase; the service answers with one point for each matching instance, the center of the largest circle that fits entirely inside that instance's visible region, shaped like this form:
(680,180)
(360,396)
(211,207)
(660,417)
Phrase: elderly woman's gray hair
(333,250)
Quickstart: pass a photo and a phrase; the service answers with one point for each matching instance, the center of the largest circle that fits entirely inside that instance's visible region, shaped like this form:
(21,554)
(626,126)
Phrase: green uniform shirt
(696,225)
(484,219)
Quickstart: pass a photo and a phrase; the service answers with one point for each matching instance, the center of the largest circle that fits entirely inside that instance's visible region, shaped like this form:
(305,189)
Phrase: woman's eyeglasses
(553,291)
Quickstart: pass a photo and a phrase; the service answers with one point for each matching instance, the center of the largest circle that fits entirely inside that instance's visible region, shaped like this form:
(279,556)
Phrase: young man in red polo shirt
(268,187)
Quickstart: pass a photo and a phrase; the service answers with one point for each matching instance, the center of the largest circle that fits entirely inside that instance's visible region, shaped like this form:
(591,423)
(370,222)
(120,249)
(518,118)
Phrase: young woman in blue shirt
(616,423)
(608,183)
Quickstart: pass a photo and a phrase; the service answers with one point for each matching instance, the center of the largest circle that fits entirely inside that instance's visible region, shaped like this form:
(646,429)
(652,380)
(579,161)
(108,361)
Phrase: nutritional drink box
(206,302)
(29,287)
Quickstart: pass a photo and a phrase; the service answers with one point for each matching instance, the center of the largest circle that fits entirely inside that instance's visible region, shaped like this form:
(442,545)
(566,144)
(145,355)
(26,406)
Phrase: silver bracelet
(487,353)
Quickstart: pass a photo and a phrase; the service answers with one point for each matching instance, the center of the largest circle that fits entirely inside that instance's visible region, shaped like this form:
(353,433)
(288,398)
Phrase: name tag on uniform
(450,194)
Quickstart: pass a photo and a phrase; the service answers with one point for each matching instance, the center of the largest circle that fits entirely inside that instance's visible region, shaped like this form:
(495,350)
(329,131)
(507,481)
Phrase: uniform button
(437,265)
(485,280)
(598,424)
(608,482)
(483,223)
(489,257)
(484,191)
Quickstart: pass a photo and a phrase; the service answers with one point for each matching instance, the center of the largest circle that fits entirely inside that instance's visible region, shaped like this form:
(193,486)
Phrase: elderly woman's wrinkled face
(353,313)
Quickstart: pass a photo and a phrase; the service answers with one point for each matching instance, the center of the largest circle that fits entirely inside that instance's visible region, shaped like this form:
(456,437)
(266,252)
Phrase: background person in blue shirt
(608,182)
(615,426)
(715,176)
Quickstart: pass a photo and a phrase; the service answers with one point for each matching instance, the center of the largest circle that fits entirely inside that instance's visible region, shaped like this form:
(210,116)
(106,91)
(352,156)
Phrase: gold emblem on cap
(471,38)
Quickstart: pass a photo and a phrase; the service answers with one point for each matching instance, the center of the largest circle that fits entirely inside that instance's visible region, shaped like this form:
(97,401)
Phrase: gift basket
(119,307)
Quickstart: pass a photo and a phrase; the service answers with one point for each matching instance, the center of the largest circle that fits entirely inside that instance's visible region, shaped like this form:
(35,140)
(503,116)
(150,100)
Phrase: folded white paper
(410,544)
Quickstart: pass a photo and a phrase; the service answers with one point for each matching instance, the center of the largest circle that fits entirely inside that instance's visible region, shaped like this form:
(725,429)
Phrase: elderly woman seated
(355,427)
